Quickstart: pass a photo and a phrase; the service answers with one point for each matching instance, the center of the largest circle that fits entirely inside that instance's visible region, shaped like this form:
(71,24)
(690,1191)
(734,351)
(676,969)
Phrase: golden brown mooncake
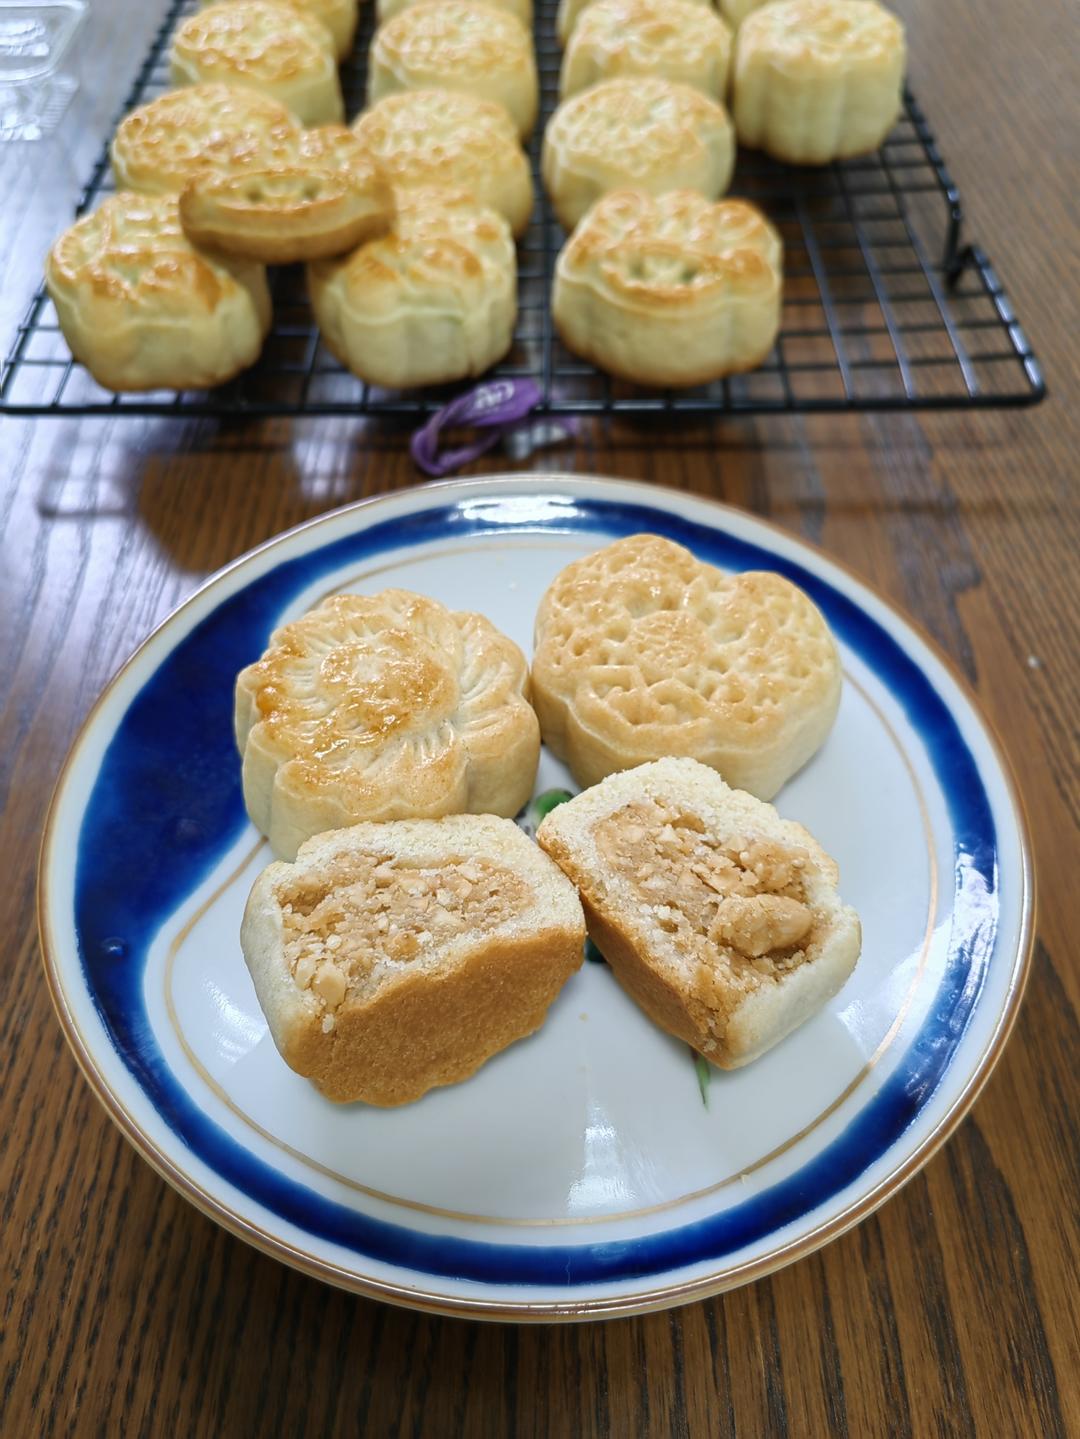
(328,199)
(200,130)
(635,132)
(263,45)
(670,39)
(643,651)
(377,707)
(670,289)
(433,299)
(443,137)
(818,80)
(457,45)
(144,309)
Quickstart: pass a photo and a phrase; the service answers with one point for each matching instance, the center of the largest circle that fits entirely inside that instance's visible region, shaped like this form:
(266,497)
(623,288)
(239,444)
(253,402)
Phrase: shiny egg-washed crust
(818,80)
(433,300)
(643,651)
(200,130)
(409,1026)
(570,12)
(266,46)
(521,9)
(339,17)
(442,137)
(671,289)
(724,1006)
(337,149)
(672,39)
(143,309)
(387,706)
(333,198)
(636,132)
(457,45)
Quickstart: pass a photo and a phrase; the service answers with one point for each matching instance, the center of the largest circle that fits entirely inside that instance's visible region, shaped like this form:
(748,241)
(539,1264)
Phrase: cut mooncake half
(718,917)
(391,958)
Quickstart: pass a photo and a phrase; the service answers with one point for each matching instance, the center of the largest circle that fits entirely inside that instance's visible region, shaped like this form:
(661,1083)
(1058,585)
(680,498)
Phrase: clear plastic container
(34,39)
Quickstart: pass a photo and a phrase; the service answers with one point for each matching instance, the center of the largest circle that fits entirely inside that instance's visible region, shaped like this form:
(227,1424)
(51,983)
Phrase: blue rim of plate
(144,802)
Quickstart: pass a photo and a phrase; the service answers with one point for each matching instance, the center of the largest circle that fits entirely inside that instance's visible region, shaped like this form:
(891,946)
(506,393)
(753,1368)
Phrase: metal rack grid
(884,307)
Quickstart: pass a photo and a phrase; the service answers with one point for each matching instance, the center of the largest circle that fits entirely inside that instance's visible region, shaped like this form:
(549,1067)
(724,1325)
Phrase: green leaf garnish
(539,807)
(703,1069)
(544,803)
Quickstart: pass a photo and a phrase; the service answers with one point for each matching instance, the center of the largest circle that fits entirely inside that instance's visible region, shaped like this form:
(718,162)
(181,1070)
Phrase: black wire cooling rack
(885,307)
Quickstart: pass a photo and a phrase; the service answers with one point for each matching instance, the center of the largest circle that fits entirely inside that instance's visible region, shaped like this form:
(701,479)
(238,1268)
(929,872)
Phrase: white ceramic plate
(594,1168)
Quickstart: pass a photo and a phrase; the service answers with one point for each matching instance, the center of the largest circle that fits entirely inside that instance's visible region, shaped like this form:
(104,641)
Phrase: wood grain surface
(954,1310)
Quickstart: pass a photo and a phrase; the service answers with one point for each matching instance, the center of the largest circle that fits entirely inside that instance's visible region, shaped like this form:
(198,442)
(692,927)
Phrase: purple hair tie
(496,406)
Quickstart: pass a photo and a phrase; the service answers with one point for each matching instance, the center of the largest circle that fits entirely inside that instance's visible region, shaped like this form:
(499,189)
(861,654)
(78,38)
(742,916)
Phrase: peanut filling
(737,904)
(370,911)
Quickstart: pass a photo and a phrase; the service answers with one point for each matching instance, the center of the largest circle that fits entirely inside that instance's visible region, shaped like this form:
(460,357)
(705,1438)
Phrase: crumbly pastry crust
(211,129)
(671,289)
(263,45)
(331,198)
(672,39)
(457,45)
(443,137)
(642,651)
(339,17)
(521,9)
(391,958)
(721,920)
(640,133)
(143,309)
(379,707)
(432,300)
(818,80)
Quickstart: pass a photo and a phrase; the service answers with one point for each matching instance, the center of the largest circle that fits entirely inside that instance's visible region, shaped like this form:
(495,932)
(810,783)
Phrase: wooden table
(954,1309)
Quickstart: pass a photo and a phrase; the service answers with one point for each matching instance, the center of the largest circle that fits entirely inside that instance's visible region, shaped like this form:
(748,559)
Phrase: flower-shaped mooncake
(670,289)
(144,309)
(818,80)
(387,706)
(643,652)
